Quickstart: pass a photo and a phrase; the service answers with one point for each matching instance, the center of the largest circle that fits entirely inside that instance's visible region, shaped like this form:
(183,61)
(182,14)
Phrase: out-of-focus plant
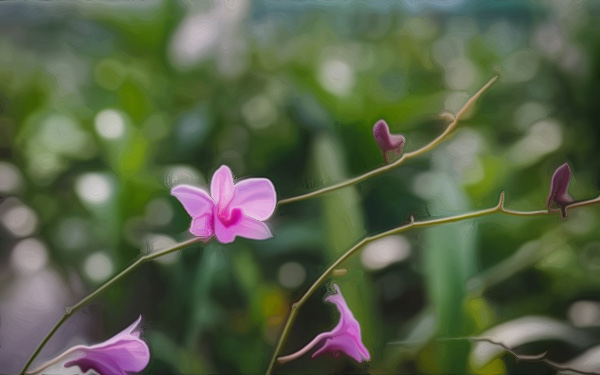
(237,210)
(105,108)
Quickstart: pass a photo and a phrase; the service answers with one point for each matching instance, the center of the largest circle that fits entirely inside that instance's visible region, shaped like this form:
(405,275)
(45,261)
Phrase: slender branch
(71,309)
(409,155)
(524,358)
(497,209)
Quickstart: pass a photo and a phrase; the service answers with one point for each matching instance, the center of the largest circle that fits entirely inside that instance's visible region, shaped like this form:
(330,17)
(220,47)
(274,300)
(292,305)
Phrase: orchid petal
(340,344)
(97,362)
(202,226)
(131,330)
(256,198)
(240,225)
(221,186)
(195,200)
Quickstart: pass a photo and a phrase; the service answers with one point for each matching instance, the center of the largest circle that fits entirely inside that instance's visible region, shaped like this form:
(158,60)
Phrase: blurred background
(106,105)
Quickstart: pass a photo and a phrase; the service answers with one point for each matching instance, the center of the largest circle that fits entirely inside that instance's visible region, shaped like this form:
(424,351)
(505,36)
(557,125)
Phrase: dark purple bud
(387,142)
(558,190)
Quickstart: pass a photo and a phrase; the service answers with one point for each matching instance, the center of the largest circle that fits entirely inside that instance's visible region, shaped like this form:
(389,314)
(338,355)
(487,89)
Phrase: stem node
(500,206)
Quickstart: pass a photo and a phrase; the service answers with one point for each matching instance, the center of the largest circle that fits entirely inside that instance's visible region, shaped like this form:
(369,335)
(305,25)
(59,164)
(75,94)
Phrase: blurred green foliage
(106,105)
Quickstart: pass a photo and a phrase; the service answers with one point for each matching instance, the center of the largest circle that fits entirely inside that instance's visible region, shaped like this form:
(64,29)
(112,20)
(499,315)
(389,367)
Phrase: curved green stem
(409,155)
(71,309)
(498,209)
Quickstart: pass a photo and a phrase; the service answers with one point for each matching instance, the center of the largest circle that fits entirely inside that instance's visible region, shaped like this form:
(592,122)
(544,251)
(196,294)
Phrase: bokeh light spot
(388,250)
(291,275)
(10,178)
(584,313)
(109,124)
(158,242)
(94,188)
(336,76)
(62,135)
(98,266)
(29,256)
(19,219)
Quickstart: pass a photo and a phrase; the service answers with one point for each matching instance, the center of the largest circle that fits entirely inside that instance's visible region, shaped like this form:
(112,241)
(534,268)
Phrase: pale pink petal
(256,198)
(238,224)
(122,353)
(221,186)
(195,200)
(340,344)
(131,330)
(202,226)
(116,358)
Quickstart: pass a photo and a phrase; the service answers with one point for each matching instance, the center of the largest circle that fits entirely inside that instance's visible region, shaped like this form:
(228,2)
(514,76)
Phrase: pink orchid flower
(558,189)
(123,353)
(386,141)
(231,209)
(344,338)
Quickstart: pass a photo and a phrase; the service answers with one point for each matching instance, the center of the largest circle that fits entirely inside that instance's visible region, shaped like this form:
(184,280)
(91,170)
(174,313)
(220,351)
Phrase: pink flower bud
(558,190)
(387,142)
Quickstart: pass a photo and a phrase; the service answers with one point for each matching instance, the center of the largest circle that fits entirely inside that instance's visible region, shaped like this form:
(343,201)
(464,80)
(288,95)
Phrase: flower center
(230,218)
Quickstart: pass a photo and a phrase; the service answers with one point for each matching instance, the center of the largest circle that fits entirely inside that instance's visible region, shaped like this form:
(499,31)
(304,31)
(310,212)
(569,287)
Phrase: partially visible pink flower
(558,189)
(387,142)
(344,338)
(123,353)
(231,209)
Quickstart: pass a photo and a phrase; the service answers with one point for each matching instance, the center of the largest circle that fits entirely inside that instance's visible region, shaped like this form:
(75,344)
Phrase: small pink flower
(387,142)
(123,353)
(558,189)
(344,338)
(231,209)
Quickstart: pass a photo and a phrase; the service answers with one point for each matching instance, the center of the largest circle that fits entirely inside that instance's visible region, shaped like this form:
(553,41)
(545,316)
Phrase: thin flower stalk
(90,297)
(498,209)
(540,358)
(453,123)
(406,156)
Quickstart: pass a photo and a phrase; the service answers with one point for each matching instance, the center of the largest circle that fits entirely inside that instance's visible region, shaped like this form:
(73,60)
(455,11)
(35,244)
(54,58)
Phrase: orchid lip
(231,218)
